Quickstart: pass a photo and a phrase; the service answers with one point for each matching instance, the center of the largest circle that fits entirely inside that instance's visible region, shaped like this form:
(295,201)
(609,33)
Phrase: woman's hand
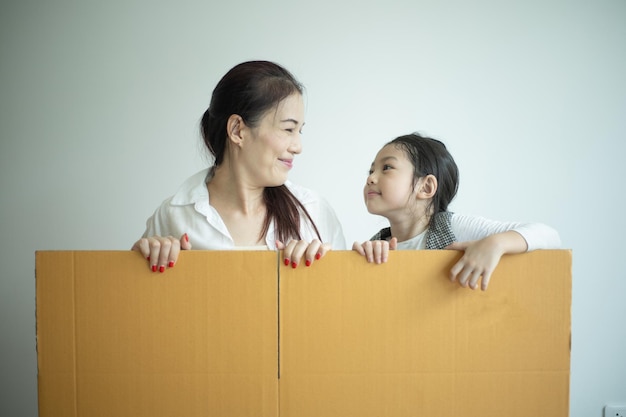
(296,249)
(161,251)
(376,250)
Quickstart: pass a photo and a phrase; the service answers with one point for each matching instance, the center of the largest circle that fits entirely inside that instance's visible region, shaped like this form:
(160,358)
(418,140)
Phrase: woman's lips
(287,162)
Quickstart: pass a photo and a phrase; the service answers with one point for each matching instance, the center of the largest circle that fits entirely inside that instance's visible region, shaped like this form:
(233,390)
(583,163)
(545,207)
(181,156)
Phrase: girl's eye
(386,167)
(370,172)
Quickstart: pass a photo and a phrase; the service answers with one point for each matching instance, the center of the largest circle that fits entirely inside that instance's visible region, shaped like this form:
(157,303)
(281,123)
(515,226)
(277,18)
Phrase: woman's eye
(386,167)
(370,172)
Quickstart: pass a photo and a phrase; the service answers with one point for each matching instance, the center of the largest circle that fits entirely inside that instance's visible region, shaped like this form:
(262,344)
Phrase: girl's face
(272,144)
(389,189)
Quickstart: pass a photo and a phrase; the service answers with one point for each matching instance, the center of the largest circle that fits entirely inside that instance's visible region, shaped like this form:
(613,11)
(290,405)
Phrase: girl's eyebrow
(385,159)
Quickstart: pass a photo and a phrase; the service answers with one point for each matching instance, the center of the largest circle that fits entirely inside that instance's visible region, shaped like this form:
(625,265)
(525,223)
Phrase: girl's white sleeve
(537,235)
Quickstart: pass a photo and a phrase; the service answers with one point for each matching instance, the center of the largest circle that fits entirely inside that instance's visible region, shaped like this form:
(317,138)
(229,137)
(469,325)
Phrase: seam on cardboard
(37,316)
(278,316)
(75,334)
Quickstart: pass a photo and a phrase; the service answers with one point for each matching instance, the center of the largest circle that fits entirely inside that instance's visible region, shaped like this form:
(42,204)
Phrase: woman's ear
(234,128)
(427,186)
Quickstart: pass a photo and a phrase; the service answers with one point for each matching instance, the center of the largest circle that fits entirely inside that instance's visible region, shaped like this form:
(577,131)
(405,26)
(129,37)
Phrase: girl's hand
(161,251)
(296,249)
(376,250)
(480,260)
(482,256)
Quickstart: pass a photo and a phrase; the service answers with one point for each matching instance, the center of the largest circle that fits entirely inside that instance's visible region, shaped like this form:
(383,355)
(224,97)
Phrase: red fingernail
(162,268)
(293,264)
(154,268)
(148,257)
(318,256)
(286,262)
(171,264)
(307,263)
(186,238)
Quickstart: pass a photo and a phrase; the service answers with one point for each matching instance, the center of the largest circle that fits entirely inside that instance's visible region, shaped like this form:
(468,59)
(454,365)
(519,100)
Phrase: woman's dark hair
(249,90)
(430,156)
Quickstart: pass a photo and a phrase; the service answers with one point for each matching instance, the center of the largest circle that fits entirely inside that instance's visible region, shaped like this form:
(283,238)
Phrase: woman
(252,129)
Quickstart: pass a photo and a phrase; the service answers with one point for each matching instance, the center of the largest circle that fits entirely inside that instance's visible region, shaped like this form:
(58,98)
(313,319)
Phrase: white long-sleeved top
(189,211)
(466,228)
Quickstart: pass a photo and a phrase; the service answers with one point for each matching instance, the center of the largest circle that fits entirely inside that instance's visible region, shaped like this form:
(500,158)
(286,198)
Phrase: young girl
(411,182)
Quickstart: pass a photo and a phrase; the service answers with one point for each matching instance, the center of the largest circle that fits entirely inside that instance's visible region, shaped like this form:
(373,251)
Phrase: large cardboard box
(401,340)
(235,333)
(115,339)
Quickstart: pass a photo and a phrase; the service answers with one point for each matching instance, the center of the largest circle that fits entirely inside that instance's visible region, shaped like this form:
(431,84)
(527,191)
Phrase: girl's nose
(371,179)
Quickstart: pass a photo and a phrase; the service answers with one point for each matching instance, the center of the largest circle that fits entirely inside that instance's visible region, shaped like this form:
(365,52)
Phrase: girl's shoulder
(382,234)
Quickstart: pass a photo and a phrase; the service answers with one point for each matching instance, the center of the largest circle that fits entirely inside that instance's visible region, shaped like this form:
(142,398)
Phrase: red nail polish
(148,257)
(162,268)
(171,264)
(318,256)
(293,264)
(307,263)
(154,268)
(186,238)
(286,262)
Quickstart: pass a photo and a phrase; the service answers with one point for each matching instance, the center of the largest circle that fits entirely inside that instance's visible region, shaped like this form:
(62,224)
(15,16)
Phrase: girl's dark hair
(430,156)
(249,90)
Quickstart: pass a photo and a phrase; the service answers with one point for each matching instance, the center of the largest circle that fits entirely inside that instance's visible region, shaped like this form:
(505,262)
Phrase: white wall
(100,105)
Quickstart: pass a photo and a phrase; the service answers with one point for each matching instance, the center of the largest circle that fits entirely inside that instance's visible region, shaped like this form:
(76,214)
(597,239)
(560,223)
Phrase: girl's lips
(372,193)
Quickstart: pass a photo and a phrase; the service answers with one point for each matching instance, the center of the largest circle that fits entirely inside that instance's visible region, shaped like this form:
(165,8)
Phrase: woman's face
(270,147)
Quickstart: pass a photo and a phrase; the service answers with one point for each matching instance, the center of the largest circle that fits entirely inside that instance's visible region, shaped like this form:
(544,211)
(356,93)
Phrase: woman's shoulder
(303,194)
(314,202)
(193,189)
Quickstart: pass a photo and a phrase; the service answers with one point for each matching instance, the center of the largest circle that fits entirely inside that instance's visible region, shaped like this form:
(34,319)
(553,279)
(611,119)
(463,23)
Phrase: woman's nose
(295,147)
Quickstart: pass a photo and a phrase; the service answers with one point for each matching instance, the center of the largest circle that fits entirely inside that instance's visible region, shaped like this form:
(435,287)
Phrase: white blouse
(189,211)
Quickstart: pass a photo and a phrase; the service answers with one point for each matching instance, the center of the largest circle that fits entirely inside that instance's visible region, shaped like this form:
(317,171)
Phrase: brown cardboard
(353,339)
(400,339)
(115,339)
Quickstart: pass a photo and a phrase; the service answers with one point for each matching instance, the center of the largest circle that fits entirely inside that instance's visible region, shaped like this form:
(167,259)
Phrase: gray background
(100,103)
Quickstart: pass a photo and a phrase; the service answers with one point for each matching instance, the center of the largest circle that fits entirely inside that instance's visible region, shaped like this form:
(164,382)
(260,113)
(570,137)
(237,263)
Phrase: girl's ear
(427,186)
(234,128)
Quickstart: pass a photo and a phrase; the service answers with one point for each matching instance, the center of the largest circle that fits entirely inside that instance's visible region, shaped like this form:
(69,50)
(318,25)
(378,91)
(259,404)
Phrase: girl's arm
(536,235)
(485,241)
(482,256)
